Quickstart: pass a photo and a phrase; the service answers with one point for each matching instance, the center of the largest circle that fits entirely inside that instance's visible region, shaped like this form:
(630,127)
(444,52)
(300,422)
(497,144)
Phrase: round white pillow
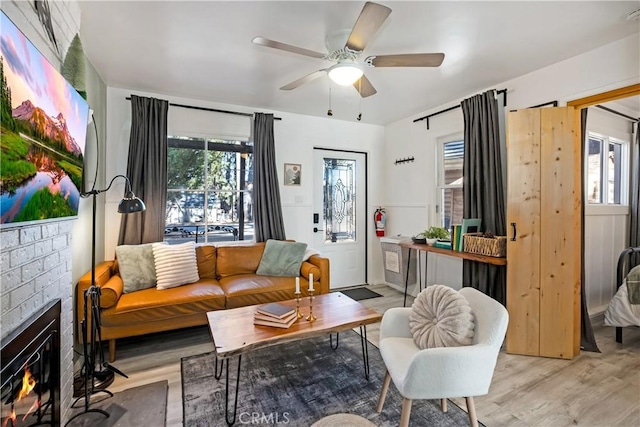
(441,317)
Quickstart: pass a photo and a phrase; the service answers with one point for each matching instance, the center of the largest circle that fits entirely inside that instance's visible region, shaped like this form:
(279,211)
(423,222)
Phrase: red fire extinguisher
(380,218)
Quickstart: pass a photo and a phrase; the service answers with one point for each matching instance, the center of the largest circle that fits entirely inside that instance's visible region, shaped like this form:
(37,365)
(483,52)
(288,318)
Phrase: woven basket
(476,244)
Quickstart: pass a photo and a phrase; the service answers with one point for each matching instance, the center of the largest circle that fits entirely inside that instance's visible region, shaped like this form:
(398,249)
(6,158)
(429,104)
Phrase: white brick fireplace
(36,268)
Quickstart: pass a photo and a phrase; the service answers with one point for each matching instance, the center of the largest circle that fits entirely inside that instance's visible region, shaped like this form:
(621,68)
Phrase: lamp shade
(345,73)
(130,205)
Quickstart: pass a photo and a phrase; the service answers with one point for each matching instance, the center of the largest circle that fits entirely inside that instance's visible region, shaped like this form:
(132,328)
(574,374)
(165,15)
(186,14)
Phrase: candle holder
(298,314)
(311,317)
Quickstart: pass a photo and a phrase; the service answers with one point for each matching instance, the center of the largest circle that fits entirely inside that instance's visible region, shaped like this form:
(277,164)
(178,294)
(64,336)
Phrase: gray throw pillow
(281,258)
(137,267)
(441,317)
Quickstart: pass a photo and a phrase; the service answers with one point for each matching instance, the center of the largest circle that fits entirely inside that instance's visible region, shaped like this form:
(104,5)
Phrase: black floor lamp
(92,340)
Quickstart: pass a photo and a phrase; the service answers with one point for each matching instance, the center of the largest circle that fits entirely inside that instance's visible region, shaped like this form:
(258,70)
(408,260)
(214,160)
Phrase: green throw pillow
(281,258)
(137,267)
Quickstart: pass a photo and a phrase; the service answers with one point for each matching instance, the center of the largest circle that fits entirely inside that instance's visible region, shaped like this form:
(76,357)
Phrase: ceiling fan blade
(289,48)
(408,60)
(368,23)
(364,87)
(305,79)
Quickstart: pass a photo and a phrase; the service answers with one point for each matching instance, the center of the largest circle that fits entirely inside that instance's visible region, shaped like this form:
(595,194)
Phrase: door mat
(359,294)
(145,405)
(298,383)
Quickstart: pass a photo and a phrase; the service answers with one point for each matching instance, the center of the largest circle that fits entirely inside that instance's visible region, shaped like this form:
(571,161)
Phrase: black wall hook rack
(407,160)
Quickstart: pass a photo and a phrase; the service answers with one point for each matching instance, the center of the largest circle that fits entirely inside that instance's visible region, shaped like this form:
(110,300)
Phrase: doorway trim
(366,203)
(579,104)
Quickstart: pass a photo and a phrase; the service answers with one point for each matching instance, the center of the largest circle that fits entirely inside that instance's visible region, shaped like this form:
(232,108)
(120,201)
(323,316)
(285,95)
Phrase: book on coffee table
(285,322)
(275,310)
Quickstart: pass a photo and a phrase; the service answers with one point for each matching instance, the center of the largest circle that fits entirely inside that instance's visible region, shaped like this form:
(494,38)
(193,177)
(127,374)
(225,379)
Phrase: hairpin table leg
(331,340)
(217,374)
(365,350)
(226,395)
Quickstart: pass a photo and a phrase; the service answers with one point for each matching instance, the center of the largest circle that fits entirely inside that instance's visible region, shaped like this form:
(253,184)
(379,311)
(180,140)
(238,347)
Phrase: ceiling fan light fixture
(345,73)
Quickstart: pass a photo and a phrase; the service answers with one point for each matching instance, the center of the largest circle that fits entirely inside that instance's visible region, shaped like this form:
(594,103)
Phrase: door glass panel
(339,200)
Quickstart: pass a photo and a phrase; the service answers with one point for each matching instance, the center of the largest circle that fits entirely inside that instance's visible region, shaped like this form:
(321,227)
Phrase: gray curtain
(268,222)
(147,170)
(587,339)
(634,197)
(483,187)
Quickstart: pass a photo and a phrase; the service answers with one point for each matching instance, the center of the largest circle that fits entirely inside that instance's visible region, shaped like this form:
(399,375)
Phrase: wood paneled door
(544,222)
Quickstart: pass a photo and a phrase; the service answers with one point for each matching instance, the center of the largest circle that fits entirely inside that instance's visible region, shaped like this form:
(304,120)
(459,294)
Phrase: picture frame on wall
(292,174)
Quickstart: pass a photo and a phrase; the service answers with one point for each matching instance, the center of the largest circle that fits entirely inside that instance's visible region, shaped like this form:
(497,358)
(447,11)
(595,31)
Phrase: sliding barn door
(543,251)
(523,241)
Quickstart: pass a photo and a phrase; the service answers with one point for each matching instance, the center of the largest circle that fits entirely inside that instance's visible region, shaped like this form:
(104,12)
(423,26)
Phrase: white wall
(608,67)
(295,137)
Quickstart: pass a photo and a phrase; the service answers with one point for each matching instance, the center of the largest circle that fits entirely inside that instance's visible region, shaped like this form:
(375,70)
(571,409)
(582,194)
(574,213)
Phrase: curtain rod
(235,113)
(602,107)
(498,92)
(554,103)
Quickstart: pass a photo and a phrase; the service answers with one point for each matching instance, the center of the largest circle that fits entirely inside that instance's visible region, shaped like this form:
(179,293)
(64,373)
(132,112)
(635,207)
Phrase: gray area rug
(299,383)
(138,406)
(359,294)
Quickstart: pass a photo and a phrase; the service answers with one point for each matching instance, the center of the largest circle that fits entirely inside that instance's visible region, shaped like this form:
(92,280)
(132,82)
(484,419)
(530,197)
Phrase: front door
(339,206)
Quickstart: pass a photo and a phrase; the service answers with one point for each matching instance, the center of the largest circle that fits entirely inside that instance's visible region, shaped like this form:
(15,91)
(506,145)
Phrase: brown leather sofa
(228,279)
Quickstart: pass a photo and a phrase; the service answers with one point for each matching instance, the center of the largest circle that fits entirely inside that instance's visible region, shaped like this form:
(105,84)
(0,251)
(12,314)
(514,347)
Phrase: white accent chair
(440,373)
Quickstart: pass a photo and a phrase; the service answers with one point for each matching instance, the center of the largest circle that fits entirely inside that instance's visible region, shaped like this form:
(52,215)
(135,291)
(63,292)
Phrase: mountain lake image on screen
(43,132)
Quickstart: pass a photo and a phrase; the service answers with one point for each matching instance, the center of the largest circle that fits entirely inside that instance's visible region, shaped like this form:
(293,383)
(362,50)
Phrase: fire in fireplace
(30,374)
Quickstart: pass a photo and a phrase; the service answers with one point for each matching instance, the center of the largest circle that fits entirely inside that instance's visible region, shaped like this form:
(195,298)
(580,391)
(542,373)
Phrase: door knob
(316,229)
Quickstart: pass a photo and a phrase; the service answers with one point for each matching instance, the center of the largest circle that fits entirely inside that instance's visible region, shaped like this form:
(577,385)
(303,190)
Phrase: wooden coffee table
(234,333)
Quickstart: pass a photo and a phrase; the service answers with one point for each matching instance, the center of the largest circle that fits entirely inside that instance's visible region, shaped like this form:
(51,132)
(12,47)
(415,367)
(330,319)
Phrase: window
(607,169)
(450,182)
(209,185)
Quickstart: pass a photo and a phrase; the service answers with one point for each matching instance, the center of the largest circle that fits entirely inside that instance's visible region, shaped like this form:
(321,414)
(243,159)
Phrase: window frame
(605,141)
(238,145)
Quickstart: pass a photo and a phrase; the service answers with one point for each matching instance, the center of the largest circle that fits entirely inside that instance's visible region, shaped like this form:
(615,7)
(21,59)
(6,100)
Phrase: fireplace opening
(30,374)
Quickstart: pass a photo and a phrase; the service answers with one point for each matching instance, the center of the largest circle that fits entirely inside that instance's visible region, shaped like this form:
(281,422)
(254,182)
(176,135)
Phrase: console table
(421,247)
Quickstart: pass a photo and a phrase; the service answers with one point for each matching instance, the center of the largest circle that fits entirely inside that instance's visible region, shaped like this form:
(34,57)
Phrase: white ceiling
(203,50)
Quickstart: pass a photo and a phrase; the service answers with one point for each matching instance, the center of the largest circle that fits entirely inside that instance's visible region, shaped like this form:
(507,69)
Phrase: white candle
(297,285)
(311,282)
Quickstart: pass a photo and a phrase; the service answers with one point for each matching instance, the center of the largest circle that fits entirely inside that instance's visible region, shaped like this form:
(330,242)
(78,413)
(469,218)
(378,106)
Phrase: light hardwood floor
(593,389)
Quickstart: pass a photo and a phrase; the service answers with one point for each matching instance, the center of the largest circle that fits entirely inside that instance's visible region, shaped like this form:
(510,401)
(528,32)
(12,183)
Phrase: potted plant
(432,234)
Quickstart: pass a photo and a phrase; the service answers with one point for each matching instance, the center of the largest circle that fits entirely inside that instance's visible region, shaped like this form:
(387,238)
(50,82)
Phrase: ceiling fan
(349,69)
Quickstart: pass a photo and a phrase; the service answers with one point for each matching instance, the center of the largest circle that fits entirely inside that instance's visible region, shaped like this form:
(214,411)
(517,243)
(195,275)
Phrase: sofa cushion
(111,291)
(152,304)
(137,267)
(175,264)
(250,289)
(206,260)
(232,260)
(281,258)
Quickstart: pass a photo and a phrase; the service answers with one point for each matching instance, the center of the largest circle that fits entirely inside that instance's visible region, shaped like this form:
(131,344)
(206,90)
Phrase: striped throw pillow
(175,264)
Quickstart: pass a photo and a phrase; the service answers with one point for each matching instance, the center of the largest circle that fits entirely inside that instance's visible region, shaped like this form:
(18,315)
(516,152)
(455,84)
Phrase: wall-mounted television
(43,127)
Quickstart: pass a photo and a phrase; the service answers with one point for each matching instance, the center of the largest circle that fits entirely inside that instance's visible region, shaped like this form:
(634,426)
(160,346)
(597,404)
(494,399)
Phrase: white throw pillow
(441,317)
(175,264)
